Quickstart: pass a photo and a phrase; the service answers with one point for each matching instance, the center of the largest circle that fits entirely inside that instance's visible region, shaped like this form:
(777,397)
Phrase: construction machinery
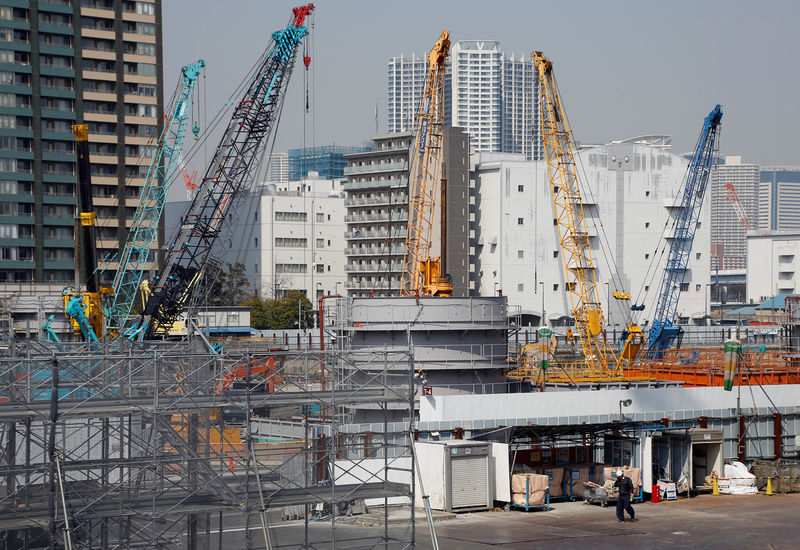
(196,248)
(143,233)
(85,309)
(422,274)
(599,361)
(741,214)
(662,331)
(256,368)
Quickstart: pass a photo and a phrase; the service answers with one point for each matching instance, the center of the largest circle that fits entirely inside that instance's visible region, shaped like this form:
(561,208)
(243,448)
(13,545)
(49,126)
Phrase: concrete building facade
(96,62)
(289,237)
(773,264)
(377,213)
(728,236)
(630,188)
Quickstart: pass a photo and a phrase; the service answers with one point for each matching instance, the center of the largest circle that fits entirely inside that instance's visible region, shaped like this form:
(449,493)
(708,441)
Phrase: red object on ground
(655,496)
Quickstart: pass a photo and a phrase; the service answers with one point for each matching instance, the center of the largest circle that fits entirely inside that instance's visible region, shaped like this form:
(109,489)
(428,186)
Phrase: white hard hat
(619,473)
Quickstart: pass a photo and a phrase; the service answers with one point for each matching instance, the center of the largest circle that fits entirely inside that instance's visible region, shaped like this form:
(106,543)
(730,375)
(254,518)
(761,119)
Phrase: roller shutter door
(469,481)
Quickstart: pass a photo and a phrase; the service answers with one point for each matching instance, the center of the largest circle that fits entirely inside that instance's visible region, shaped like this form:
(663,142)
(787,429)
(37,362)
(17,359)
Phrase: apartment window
(329,242)
(255,242)
(520,221)
(647,256)
(290,242)
(646,288)
(697,256)
(320,243)
(555,287)
(520,287)
(291,268)
(684,287)
(320,268)
(290,216)
(520,188)
(555,253)
(647,193)
(646,225)
(697,288)
(320,217)
(520,253)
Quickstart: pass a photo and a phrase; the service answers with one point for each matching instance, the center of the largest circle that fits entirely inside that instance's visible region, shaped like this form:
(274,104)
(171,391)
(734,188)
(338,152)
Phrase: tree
(280,314)
(231,286)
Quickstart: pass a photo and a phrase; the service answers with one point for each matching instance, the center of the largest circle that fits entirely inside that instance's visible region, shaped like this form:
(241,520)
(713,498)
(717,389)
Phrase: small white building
(630,189)
(773,262)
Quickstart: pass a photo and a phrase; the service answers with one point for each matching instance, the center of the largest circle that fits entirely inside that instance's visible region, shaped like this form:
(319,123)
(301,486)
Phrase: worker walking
(625,487)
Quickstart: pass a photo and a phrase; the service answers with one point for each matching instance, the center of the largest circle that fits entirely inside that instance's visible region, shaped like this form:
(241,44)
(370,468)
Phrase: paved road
(729,522)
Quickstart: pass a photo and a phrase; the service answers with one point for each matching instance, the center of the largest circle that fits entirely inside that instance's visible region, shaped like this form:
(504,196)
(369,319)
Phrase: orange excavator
(256,367)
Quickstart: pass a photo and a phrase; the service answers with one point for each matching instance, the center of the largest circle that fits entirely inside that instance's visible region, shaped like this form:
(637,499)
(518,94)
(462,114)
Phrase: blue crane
(194,249)
(143,233)
(662,331)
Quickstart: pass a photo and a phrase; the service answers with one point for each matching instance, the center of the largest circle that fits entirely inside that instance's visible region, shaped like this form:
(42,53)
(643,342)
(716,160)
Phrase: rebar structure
(131,445)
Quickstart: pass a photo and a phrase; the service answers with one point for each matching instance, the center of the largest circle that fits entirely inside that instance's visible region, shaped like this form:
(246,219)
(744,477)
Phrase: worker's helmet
(620,473)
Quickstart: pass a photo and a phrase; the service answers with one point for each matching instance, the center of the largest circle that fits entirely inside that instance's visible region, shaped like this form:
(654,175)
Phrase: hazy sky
(624,68)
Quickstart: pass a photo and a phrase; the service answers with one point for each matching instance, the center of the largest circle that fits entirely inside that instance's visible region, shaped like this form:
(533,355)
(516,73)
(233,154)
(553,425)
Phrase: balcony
(384,167)
(394,267)
(374,251)
(399,233)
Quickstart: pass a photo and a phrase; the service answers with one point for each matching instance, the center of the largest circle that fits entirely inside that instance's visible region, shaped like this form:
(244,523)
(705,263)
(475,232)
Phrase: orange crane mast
(423,274)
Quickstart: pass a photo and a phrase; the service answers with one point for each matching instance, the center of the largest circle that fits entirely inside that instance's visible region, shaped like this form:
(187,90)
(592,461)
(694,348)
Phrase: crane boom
(662,332)
(423,274)
(144,228)
(576,252)
(226,182)
(732,196)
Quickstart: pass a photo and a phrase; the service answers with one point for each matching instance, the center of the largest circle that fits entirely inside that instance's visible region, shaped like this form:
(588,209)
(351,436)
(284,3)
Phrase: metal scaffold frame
(130,446)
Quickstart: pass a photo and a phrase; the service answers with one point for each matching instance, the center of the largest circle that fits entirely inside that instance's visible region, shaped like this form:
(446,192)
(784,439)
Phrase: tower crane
(144,228)
(576,252)
(662,331)
(423,274)
(228,179)
(732,196)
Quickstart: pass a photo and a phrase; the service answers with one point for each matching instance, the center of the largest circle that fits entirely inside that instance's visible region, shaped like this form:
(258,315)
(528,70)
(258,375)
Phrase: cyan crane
(163,169)
(662,331)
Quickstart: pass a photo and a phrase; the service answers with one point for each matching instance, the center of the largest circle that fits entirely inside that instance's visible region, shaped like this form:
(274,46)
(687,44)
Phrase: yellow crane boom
(576,252)
(422,274)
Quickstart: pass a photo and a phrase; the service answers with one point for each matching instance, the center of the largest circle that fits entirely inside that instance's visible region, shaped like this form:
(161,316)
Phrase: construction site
(127,421)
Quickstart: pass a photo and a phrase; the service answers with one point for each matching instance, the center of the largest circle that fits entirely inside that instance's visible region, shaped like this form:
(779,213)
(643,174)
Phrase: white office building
(630,187)
(728,234)
(491,96)
(773,263)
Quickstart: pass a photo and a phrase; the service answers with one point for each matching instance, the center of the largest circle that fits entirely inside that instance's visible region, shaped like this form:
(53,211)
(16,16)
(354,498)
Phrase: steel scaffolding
(127,445)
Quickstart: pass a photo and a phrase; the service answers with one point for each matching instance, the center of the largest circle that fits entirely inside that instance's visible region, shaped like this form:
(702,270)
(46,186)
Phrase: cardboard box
(556,476)
(536,498)
(575,479)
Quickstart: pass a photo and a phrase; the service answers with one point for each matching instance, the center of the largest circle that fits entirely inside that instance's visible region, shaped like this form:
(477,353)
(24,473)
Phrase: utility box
(457,475)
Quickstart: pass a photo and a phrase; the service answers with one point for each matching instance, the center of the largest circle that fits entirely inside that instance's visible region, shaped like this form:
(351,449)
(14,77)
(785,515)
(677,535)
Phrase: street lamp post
(706,295)
(316,313)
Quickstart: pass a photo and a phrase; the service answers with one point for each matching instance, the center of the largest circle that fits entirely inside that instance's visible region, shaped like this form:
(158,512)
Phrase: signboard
(427,390)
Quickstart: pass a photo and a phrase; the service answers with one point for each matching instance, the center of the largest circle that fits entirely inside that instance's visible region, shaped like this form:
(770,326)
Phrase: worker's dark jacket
(625,486)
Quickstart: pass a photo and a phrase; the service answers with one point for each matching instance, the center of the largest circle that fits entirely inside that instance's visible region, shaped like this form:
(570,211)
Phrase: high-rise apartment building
(728,236)
(278,168)
(779,198)
(491,96)
(65,61)
(377,214)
